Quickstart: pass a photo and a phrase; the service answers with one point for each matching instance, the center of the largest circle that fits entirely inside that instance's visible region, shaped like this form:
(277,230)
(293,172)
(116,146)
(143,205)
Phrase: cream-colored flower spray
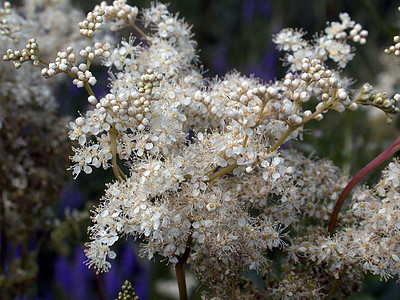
(210,184)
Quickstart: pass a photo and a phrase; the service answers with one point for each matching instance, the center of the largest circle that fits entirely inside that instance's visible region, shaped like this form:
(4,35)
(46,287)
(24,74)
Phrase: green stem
(43,61)
(317,112)
(140,32)
(39,243)
(233,289)
(230,168)
(88,88)
(222,171)
(336,283)
(282,139)
(116,169)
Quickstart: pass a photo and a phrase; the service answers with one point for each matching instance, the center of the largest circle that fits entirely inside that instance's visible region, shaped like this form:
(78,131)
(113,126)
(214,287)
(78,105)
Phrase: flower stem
(335,284)
(282,139)
(222,171)
(100,289)
(393,148)
(233,288)
(116,169)
(180,270)
(278,143)
(88,88)
(140,32)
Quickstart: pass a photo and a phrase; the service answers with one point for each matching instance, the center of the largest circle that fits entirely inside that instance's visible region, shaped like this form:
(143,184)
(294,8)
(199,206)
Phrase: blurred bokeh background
(231,34)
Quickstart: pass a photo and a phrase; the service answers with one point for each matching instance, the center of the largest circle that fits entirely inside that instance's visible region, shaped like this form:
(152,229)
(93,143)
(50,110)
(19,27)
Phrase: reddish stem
(100,288)
(393,148)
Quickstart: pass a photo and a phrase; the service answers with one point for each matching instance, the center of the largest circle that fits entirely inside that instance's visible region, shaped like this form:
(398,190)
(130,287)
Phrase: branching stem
(230,168)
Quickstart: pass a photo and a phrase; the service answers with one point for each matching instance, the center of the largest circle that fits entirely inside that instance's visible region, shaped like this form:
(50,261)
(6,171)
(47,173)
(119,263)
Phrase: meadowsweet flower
(212,179)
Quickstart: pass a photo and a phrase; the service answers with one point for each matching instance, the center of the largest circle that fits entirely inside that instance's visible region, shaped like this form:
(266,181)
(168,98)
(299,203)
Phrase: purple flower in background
(128,259)
(63,274)
(142,282)
(266,68)
(220,61)
(138,273)
(264,8)
(71,197)
(112,281)
(248,10)
(46,296)
(81,274)
(128,268)
(74,278)
(251,7)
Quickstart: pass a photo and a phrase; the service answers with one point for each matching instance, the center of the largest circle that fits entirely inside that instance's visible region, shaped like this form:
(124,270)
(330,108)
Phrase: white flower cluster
(209,180)
(332,44)
(369,238)
(144,118)
(379,100)
(394,49)
(93,22)
(29,53)
(120,13)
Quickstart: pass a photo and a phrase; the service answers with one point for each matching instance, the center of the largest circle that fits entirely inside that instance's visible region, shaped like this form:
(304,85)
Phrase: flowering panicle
(394,49)
(209,182)
(331,44)
(119,14)
(380,100)
(368,240)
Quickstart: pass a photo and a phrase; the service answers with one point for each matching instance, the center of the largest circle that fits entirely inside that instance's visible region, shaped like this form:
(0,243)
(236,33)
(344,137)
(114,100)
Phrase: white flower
(274,169)
(290,39)
(392,175)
